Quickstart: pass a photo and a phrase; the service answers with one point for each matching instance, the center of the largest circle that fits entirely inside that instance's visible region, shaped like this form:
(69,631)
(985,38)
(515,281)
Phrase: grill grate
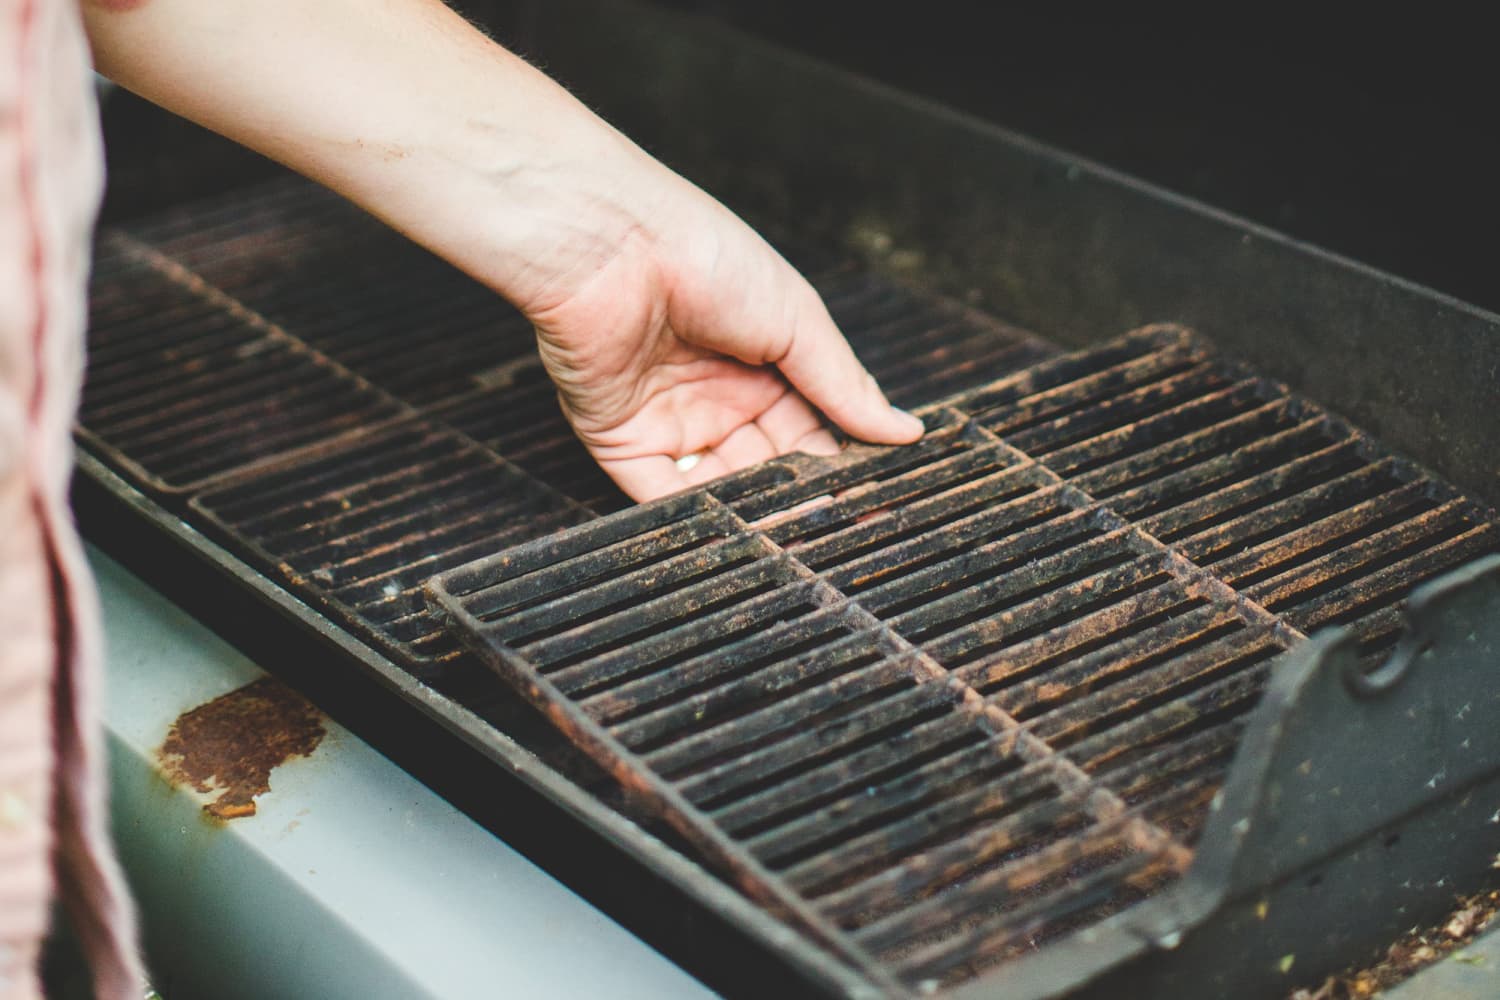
(187,390)
(363,524)
(940,704)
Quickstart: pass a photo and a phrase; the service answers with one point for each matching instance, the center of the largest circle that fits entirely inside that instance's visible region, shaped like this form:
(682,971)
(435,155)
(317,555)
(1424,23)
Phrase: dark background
(1371,135)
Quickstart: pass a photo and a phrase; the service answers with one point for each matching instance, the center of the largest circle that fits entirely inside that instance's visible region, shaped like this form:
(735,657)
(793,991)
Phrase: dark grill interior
(935,705)
(944,703)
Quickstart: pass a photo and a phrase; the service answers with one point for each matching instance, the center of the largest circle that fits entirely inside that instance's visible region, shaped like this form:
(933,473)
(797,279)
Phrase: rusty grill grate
(185,390)
(355,416)
(941,704)
(364,524)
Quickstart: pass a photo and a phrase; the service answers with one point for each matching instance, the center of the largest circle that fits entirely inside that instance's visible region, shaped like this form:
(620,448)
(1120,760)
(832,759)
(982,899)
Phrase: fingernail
(913,422)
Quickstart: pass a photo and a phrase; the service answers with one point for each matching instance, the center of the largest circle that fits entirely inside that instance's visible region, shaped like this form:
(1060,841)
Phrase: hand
(682,334)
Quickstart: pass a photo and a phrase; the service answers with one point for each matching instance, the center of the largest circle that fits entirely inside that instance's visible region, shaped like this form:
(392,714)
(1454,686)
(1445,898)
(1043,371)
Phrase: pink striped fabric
(52,808)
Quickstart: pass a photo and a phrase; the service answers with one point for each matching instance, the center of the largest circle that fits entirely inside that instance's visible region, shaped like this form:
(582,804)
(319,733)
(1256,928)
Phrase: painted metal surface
(1472,973)
(351,880)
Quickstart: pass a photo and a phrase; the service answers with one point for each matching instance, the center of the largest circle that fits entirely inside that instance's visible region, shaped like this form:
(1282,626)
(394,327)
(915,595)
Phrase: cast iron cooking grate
(939,705)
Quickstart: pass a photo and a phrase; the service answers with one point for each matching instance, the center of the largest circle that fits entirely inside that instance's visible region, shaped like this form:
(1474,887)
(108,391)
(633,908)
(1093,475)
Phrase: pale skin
(670,328)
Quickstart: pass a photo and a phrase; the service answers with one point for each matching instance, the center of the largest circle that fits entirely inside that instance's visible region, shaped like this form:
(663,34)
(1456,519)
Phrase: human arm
(670,328)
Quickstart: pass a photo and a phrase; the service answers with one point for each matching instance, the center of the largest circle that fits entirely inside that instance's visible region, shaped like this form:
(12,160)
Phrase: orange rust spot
(231,744)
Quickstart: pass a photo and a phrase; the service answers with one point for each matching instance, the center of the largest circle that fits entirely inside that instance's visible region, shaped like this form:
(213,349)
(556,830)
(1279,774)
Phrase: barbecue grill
(1046,703)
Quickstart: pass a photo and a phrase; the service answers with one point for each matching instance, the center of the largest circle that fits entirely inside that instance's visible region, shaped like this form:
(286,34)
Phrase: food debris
(1416,950)
(1461,925)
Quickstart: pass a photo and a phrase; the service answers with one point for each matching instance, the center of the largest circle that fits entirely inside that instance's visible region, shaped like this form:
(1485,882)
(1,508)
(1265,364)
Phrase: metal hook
(1384,678)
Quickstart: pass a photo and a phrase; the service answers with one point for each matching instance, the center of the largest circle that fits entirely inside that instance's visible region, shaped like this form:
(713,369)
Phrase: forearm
(404,108)
(658,313)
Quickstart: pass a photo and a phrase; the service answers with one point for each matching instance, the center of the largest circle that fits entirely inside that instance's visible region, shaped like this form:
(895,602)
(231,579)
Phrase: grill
(1039,706)
(939,705)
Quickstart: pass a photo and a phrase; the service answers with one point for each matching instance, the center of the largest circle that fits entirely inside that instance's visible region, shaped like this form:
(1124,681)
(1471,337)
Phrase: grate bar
(1012,679)
(815,741)
(1018,927)
(873,870)
(893,890)
(1274,459)
(809,849)
(861,768)
(1001,622)
(1257,562)
(1122,441)
(625,590)
(930,914)
(715,650)
(1234,694)
(1350,560)
(704,592)
(1242,435)
(751,730)
(1151,680)
(1391,583)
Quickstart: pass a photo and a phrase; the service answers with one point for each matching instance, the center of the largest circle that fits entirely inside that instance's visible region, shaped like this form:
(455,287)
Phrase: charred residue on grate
(943,703)
(183,391)
(363,525)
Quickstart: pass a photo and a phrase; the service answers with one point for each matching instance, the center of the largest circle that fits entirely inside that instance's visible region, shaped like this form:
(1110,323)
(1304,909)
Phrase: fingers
(653,476)
(792,425)
(645,478)
(822,366)
(747,446)
(788,421)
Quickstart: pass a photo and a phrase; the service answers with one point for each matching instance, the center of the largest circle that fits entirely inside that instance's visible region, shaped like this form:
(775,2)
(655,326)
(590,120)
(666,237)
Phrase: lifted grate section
(939,704)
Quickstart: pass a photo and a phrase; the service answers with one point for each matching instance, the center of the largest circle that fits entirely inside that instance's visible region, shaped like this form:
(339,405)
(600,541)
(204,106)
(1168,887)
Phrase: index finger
(822,366)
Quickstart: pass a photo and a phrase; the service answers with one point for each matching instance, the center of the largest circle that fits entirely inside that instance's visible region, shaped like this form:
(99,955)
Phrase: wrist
(528,199)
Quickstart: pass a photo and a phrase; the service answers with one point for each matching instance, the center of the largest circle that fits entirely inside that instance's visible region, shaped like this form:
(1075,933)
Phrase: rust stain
(231,744)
